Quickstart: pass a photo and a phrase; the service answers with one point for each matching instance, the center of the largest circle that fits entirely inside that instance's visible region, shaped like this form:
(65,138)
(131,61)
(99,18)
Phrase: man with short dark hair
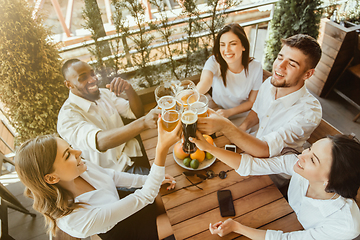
(287,113)
(91,119)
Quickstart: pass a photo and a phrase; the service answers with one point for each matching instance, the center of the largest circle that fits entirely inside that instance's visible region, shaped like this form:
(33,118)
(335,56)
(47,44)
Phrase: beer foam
(189,117)
(200,107)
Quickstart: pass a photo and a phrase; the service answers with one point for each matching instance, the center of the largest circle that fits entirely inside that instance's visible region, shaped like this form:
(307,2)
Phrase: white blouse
(105,209)
(333,219)
(238,85)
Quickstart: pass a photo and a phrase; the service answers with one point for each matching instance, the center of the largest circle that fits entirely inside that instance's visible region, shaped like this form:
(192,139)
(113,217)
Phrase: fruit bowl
(204,164)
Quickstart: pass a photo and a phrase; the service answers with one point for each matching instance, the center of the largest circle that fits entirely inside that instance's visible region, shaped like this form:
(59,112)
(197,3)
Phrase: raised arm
(119,85)
(115,137)
(245,141)
(92,220)
(205,81)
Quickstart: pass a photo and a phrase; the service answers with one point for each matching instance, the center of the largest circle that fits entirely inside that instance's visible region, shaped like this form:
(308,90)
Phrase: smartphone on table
(226,203)
(230,147)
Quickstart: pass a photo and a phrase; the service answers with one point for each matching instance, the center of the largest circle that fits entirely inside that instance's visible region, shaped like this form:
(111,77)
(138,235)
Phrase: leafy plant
(32,87)
(166,31)
(142,40)
(349,11)
(93,22)
(122,29)
(291,17)
(194,26)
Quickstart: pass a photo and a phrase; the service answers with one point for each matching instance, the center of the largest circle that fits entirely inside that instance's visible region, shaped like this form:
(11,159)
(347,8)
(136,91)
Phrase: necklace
(333,196)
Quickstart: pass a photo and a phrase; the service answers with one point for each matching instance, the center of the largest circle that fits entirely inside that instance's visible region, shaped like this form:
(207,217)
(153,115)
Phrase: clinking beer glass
(189,123)
(170,119)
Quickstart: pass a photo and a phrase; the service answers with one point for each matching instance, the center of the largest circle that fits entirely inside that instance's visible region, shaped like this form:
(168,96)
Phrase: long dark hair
(344,176)
(238,31)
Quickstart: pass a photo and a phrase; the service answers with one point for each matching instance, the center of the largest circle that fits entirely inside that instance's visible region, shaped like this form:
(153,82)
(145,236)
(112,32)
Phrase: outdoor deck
(336,111)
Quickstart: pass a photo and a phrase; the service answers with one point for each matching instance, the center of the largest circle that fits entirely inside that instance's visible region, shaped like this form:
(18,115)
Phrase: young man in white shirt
(285,110)
(91,120)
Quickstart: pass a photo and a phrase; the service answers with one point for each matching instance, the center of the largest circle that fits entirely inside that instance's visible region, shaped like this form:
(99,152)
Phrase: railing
(126,52)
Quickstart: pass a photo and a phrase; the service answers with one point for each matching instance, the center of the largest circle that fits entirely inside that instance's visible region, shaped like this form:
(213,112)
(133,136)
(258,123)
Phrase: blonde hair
(34,159)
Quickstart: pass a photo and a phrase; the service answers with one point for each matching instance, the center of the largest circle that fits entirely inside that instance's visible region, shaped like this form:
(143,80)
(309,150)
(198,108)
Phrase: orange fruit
(208,139)
(178,151)
(199,155)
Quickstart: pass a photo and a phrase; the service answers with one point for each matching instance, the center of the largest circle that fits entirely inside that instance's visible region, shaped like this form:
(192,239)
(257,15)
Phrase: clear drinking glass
(163,90)
(170,118)
(189,122)
(200,106)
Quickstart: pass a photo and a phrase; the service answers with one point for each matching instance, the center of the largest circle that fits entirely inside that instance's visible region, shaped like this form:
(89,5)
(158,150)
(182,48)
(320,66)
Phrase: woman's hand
(224,228)
(167,139)
(169,179)
(200,142)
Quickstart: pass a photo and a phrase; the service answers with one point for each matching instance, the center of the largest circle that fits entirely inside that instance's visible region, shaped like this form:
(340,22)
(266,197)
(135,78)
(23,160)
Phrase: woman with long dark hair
(235,78)
(81,198)
(322,191)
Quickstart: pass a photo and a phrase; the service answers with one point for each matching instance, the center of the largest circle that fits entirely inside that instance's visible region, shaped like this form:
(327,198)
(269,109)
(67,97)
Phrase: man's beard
(283,84)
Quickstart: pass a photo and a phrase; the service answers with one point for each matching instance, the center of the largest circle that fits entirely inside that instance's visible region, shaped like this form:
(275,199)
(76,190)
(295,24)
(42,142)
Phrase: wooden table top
(258,203)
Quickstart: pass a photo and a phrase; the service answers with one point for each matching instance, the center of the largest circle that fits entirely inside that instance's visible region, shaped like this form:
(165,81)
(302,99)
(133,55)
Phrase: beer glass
(189,123)
(163,90)
(185,90)
(167,102)
(200,106)
(170,118)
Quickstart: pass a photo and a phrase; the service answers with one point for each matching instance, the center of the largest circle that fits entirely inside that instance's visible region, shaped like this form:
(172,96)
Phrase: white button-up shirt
(333,219)
(80,120)
(287,121)
(105,209)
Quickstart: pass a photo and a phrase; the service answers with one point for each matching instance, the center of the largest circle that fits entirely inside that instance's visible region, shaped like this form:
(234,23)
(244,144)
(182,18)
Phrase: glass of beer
(184,90)
(200,106)
(163,90)
(189,123)
(167,102)
(170,118)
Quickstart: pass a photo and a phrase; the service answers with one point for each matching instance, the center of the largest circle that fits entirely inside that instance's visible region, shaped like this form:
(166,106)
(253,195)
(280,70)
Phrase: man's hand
(152,117)
(213,123)
(118,85)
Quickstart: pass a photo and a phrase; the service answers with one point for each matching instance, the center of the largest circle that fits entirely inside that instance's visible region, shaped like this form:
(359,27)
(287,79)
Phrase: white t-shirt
(105,209)
(333,219)
(79,121)
(287,121)
(238,85)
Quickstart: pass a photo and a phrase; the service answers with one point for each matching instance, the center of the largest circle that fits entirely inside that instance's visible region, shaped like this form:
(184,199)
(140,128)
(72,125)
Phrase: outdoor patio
(337,111)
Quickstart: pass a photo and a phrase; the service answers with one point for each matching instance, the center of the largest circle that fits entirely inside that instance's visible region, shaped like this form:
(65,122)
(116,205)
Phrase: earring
(325,183)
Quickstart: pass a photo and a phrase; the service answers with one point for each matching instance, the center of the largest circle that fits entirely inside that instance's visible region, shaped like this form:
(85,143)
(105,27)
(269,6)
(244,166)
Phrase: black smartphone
(226,203)
(230,147)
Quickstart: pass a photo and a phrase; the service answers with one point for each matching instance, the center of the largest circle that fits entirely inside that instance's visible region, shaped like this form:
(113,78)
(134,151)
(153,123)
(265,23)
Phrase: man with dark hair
(91,119)
(285,111)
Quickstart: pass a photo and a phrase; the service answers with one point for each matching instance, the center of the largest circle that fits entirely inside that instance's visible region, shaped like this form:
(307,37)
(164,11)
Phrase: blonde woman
(81,198)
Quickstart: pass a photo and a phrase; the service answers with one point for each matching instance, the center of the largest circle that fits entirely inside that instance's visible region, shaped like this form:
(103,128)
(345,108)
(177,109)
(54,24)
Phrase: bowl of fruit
(196,161)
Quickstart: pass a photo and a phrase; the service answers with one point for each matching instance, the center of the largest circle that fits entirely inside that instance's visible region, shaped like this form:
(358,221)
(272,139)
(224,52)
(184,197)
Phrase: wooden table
(258,203)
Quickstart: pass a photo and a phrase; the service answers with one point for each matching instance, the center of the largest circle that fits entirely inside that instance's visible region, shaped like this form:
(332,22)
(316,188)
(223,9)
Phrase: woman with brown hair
(81,198)
(235,78)
(322,190)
